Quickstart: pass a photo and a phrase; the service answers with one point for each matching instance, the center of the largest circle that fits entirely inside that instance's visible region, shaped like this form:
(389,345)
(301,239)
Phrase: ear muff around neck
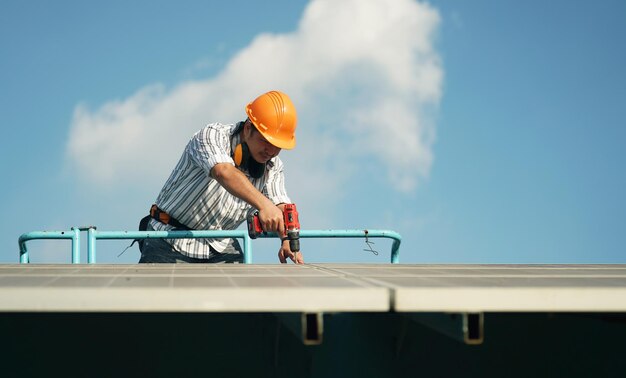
(240,155)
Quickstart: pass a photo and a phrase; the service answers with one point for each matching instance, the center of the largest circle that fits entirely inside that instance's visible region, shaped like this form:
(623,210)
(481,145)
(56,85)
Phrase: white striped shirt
(195,199)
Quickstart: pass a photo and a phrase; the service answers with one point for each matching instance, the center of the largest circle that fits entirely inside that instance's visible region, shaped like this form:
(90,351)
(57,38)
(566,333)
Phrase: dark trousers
(160,251)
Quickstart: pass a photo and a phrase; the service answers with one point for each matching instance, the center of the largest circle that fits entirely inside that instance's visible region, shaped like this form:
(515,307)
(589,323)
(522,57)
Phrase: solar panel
(312,288)
(171,287)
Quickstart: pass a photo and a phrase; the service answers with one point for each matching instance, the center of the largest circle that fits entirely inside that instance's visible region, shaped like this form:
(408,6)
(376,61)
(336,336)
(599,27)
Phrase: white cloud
(364,75)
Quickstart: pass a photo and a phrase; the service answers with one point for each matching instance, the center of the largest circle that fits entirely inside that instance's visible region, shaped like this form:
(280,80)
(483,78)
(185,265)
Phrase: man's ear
(247,130)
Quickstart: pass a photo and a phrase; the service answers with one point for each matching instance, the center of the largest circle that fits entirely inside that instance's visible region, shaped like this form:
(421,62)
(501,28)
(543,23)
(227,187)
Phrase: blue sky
(482,131)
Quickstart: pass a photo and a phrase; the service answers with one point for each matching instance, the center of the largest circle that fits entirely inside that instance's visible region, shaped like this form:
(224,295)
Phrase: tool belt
(160,216)
(165,218)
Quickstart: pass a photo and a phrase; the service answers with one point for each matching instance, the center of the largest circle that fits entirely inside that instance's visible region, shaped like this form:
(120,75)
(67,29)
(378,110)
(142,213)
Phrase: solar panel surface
(312,288)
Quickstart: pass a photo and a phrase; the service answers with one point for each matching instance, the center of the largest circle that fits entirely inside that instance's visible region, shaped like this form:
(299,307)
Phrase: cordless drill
(292,226)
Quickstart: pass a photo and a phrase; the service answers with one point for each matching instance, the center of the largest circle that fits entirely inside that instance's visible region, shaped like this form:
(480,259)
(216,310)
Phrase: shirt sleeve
(275,186)
(210,146)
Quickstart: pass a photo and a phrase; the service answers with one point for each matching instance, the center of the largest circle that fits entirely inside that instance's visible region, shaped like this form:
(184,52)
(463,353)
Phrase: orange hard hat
(274,115)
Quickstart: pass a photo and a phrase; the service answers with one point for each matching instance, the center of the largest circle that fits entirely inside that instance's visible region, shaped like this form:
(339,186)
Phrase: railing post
(247,249)
(395,252)
(23,250)
(76,245)
(91,245)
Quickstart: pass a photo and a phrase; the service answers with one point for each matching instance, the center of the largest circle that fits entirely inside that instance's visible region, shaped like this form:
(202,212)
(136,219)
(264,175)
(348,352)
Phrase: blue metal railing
(93,234)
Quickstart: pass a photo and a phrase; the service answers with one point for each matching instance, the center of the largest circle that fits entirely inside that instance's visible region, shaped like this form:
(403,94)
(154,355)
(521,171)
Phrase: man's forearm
(237,184)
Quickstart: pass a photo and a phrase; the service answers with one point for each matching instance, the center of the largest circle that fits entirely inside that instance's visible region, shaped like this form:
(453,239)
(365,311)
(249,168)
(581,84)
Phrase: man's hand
(271,218)
(285,252)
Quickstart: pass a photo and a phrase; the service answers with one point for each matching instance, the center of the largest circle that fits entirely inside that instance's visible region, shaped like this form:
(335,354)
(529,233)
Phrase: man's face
(261,150)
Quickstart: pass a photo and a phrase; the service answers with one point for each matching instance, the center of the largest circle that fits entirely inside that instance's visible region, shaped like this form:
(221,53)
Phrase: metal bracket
(307,327)
(465,327)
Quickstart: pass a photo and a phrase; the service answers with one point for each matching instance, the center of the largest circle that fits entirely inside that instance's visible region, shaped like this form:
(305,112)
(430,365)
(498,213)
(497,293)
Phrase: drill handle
(290,214)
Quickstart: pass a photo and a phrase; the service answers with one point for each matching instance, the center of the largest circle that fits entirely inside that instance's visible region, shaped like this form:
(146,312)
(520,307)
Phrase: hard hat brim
(280,143)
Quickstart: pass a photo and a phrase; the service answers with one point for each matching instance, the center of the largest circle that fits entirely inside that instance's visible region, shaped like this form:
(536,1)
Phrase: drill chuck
(294,240)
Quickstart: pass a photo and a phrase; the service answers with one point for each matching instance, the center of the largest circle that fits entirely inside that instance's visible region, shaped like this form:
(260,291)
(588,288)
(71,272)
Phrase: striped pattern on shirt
(198,201)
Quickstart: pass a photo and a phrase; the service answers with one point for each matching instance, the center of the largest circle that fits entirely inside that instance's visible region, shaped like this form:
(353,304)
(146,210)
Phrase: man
(225,172)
